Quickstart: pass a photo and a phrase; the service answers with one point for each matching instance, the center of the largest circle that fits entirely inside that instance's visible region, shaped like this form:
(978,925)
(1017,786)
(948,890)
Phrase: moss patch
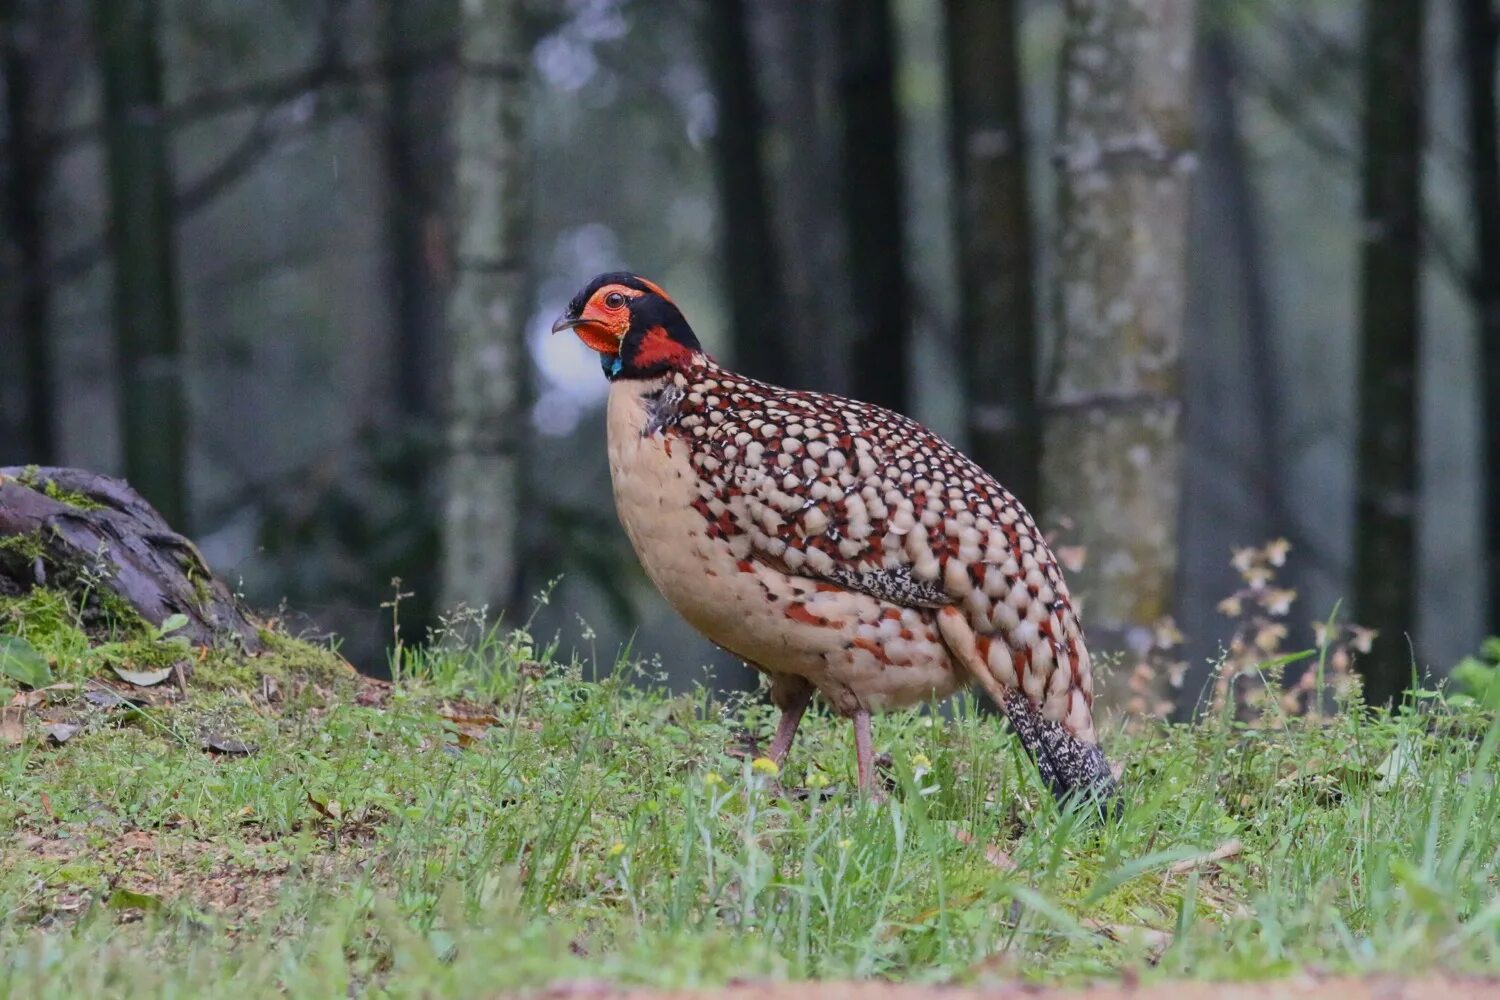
(28,547)
(31,478)
(89,635)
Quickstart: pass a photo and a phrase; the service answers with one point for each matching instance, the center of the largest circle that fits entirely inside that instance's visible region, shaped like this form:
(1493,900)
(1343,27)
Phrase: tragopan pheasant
(834,545)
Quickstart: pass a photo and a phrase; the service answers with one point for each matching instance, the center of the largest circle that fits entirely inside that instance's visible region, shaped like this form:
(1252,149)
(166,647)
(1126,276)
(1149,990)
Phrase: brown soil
(1302,987)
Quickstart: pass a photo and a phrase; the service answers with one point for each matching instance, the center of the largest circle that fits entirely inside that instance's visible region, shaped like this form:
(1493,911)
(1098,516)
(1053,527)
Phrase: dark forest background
(1186,276)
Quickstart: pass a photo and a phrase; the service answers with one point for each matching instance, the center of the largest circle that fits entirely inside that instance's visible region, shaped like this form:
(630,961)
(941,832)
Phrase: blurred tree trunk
(997,302)
(416,111)
(487,309)
(752,266)
(1218,75)
(1480,28)
(873,202)
(1389,319)
(26,182)
(1112,449)
(411,212)
(143,247)
(798,69)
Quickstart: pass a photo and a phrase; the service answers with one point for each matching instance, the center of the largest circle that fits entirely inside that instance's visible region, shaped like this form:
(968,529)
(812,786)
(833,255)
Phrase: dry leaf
(142,678)
(107,698)
(463,716)
(61,732)
(1152,939)
(330,809)
(13,725)
(224,745)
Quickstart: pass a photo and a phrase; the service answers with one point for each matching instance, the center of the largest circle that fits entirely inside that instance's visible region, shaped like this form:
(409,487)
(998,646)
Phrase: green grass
(497,821)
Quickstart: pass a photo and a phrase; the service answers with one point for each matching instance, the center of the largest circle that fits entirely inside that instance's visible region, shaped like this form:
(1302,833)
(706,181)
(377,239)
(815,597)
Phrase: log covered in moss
(76,529)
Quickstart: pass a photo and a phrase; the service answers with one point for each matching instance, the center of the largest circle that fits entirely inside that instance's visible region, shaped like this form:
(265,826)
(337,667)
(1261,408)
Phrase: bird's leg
(864,752)
(792,695)
(786,727)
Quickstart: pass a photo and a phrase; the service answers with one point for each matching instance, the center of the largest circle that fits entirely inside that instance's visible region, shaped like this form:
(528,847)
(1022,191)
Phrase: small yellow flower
(845,844)
(921,763)
(765,765)
(616,849)
(713,778)
(816,781)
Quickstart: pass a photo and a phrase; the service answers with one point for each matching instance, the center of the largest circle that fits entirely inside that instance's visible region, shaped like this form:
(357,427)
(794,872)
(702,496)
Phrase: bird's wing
(843,491)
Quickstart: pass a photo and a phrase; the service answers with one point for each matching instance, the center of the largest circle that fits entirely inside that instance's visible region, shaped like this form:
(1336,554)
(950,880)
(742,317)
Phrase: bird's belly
(861,652)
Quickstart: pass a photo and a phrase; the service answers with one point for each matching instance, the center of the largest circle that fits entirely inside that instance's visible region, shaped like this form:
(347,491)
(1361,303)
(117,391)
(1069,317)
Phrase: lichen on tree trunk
(1112,447)
(486,310)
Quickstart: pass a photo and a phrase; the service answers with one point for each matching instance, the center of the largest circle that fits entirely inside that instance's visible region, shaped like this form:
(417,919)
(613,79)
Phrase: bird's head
(636,328)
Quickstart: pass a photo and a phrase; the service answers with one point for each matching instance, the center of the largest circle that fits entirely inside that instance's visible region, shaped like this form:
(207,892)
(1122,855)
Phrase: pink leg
(786,726)
(864,752)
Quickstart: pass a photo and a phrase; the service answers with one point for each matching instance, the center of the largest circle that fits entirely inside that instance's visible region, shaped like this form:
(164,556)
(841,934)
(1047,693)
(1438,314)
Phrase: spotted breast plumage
(837,546)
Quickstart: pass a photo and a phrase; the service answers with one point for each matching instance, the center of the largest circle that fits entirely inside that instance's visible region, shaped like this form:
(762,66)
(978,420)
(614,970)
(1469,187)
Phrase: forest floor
(496,821)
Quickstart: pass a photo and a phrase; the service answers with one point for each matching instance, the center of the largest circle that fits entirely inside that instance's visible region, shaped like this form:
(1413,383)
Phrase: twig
(1224,851)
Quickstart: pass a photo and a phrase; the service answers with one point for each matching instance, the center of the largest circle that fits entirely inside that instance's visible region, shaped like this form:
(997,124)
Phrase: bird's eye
(614,300)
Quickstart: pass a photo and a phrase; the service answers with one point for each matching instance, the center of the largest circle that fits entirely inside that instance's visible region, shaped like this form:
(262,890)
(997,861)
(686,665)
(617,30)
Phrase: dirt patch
(1303,987)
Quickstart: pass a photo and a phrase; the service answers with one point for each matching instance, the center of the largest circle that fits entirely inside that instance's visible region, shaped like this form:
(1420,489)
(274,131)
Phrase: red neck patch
(658,351)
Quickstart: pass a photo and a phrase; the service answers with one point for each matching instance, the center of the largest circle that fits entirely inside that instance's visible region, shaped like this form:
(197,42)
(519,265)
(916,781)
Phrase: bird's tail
(1073,768)
(1071,763)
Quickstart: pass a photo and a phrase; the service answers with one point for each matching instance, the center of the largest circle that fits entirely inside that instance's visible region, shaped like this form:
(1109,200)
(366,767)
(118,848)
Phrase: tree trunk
(487,310)
(82,531)
(873,202)
(27,167)
(1218,75)
(1112,449)
(1480,27)
(798,70)
(411,207)
(142,243)
(1389,318)
(752,267)
(997,305)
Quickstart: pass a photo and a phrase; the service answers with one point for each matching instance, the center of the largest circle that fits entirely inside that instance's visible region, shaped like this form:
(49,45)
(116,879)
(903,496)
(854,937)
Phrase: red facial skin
(606,319)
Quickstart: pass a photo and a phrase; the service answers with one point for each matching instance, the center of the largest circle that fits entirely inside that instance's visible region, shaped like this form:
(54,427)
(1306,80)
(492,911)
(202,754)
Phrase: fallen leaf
(13,725)
(330,809)
(142,678)
(463,716)
(1224,851)
(109,698)
(61,732)
(1152,939)
(372,693)
(225,745)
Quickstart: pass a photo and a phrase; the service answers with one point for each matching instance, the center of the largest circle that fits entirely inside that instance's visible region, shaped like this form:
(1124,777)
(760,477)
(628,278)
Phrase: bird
(836,546)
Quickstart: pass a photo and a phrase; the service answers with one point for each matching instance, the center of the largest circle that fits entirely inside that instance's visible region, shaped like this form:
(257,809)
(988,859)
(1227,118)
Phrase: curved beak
(568,323)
